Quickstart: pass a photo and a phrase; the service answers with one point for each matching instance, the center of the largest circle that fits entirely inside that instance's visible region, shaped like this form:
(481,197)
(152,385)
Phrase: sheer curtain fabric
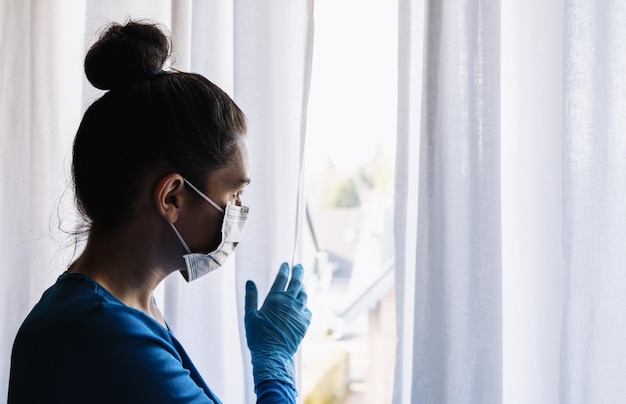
(456,314)
(511,283)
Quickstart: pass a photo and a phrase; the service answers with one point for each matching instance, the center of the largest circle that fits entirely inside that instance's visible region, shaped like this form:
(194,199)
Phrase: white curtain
(258,52)
(594,190)
(511,224)
(455,311)
(40,104)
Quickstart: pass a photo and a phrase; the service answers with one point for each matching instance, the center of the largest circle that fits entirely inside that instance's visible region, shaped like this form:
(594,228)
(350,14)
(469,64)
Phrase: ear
(168,196)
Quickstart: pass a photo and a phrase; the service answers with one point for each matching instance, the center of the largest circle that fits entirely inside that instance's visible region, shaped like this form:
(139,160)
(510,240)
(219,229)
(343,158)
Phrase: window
(348,354)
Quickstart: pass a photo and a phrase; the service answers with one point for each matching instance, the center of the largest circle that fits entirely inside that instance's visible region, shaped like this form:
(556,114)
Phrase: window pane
(348,354)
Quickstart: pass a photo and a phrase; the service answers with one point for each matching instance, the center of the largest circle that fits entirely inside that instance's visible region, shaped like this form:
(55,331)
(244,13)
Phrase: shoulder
(100,351)
(92,312)
(76,310)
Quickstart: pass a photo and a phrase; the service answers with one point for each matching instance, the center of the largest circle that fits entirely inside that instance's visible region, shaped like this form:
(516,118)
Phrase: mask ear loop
(180,238)
(206,198)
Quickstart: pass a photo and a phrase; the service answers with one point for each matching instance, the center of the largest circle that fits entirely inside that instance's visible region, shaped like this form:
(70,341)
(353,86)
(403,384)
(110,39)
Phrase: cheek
(216,235)
(212,227)
(203,230)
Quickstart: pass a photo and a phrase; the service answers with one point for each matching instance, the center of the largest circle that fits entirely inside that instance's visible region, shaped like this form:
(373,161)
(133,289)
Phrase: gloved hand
(274,332)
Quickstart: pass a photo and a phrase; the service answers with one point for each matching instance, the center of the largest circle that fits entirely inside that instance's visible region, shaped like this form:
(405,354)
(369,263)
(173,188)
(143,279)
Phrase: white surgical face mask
(199,264)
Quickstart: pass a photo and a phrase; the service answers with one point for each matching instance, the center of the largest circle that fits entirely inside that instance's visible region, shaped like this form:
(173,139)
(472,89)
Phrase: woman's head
(149,121)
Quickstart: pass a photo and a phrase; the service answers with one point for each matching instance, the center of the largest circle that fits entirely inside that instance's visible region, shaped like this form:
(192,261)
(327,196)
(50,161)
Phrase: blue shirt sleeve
(117,356)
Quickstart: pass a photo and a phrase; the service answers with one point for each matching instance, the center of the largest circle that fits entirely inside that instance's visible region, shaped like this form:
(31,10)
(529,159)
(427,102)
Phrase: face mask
(232,229)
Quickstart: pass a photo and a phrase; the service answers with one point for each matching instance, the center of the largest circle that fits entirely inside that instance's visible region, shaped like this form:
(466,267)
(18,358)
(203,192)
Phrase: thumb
(251,302)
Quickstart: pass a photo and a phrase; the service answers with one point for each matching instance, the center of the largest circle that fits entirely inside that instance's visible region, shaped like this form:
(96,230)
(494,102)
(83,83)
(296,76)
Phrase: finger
(302,296)
(296,280)
(252,299)
(281,279)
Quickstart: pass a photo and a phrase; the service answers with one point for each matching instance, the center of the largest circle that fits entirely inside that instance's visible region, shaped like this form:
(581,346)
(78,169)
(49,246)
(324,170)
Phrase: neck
(126,264)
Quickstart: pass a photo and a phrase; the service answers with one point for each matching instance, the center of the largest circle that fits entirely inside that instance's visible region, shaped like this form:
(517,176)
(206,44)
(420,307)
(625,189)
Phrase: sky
(352,102)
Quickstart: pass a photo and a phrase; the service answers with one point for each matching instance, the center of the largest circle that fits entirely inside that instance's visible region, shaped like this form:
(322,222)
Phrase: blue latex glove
(274,332)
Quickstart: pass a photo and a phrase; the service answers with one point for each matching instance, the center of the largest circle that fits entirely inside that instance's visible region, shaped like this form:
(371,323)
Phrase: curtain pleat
(531,149)
(594,212)
(410,68)
(456,345)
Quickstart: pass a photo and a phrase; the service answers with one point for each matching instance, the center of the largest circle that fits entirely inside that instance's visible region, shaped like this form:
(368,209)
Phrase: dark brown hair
(148,120)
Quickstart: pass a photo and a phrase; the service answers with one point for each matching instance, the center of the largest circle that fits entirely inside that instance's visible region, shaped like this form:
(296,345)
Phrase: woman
(159,164)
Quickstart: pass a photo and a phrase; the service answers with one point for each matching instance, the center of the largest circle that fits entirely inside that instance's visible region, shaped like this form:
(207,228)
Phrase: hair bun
(126,53)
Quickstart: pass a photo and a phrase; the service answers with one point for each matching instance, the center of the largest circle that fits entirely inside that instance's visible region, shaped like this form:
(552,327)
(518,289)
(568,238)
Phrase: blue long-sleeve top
(80,344)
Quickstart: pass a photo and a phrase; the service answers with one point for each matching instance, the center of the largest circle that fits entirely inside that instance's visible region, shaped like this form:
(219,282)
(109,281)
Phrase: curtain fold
(457,314)
(531,155)
(594,191)
(410,68)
